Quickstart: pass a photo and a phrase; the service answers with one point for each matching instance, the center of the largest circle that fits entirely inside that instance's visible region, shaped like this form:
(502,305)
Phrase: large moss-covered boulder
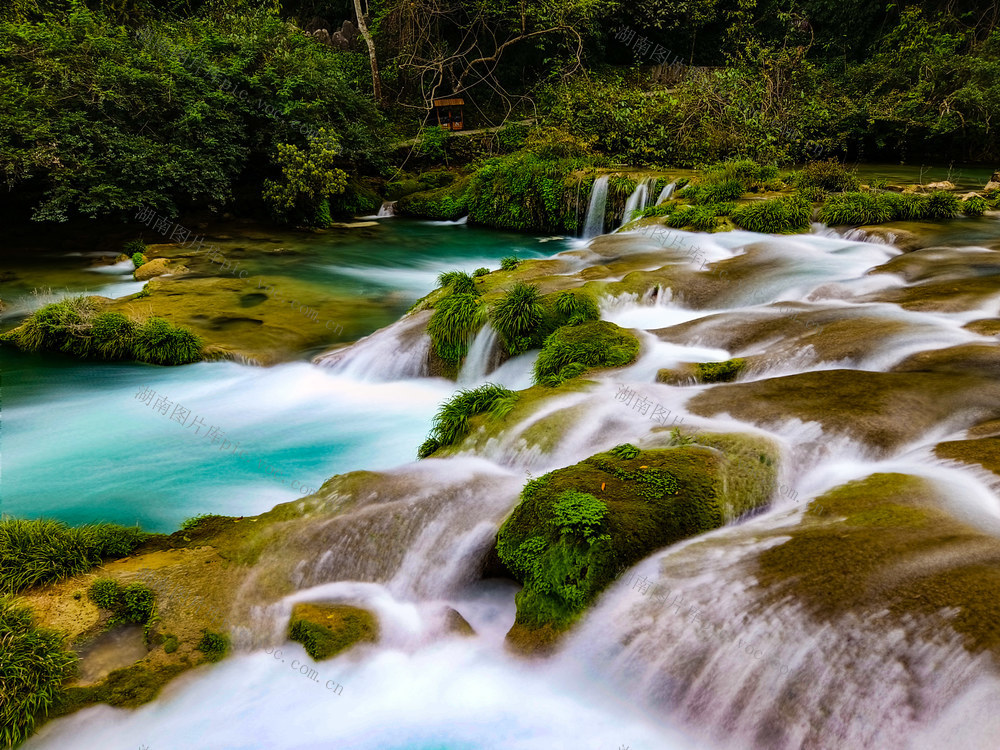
(576,527)
(573,349)
(327,629)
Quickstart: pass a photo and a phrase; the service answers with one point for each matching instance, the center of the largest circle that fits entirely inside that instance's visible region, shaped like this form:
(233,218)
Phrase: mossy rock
(720,372)
(577,527)
(983,451)
(327,629)
(882,544)
(151,269)
(574,349)
(125,688)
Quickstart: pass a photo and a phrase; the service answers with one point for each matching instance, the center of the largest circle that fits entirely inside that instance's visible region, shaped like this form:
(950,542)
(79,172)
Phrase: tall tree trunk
(363,28)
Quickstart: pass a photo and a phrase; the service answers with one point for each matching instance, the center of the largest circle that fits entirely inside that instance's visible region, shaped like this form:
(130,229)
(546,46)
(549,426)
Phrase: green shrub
(33,667)
(577,306)
(138,259)
(213,645)
(701,218)
(774,216)
(37,552)
(578,513)
(941,205)
(132,247)
(446,203)
(811,193)
(112,336)
(454,322)
(519,318)
(720,372)
(428,447)
(106,593)
(571,350)
(974,206)
(160,343)
(509,263)
(713,192)
(480,272)
(856,209)
(459,281)
(828,175)
(432,143)
(750,176)
(451,423)
(663,209)
(138,602)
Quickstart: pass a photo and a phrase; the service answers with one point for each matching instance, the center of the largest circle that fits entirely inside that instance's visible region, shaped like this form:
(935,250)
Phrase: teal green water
(79,446)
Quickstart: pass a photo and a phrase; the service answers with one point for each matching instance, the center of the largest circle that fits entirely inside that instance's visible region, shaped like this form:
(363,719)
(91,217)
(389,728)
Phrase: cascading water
(482,357)
(594,225)
(387,209)
(665,194)
(394,353)
(639,198)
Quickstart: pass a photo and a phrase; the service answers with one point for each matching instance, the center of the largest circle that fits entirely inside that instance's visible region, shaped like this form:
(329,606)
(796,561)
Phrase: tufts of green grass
(160,343)
(701,218)
(625,450)
(34,664)
(509,263)
(132,603)
(974,206)
(451,423)
(480,272)
(213,645)
(459,281)
(775,216)
(518,317)
(453,324)
(577,306)
(828,175)
(857,209)
(42,551)
(941,205)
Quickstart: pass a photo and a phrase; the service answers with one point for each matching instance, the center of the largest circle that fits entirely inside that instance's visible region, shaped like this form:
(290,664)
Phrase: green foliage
(322,642)
(524,191)
(214,645)
(42,551)
(579,514)
(941,205)
(170,644)
(578,306)
(103,120)
(138,259)
(519,318)
(132,603)
(571,350)
(775,215)
(453,324)
(876,208)
(625,450)
(509,263)
(432,144)
(451,423)
(34,665)
(720,372)
(700,218)
(132,247)
(713,192)
(105,593)
(74,326)
(428,448)
(309,177)
(974,206)
(459,281)
(192,523)
(828,175)
(442,204)
(480,272)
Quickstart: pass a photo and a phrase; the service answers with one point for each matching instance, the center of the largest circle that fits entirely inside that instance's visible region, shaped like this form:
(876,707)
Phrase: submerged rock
(151,269)
(327,629)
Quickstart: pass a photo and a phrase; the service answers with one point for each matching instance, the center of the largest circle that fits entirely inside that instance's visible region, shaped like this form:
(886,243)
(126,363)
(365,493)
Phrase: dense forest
(111,106)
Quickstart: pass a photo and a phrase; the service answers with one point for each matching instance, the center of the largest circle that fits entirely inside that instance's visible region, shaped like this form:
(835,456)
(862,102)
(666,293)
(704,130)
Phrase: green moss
(576,527)
(130,687)
(170,644)
(132,603)
(138,259)
(214,645)
(720,372)
(572,350)
(325,631)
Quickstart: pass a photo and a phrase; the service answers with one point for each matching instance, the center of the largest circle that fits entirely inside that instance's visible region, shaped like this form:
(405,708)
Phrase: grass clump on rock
(36,552)
(455,320)
(76,326)
(34,663)
(451,423)
(132,603)
(774,216)
(326,630)
(576,527)
(828,175)
(876,208)
(445,203)
(214,645)
(518,318)
(572,350)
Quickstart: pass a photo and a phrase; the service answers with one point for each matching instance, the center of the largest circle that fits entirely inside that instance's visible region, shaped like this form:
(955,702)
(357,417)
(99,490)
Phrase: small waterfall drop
(639,198)
(388,209)
(396,352)
(594,225)
(481,359)
(665,194)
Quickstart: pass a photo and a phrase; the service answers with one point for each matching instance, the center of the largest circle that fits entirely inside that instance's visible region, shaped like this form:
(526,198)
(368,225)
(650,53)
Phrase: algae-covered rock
(151,269)
(983,451)
(327,629)
(574,349)
(576,527)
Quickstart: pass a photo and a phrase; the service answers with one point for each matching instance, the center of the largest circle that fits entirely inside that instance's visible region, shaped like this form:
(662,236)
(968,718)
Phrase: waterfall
(639,198)
(481,359)
(396,352)
(594,225)
(665,194)
(388,209)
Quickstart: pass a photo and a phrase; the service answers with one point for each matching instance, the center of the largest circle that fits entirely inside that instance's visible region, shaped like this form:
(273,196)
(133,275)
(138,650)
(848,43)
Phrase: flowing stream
(633,673)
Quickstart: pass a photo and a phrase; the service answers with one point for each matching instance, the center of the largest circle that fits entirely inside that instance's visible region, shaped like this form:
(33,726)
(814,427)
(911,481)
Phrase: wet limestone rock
(327,629)
(151,269)
(577,527)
